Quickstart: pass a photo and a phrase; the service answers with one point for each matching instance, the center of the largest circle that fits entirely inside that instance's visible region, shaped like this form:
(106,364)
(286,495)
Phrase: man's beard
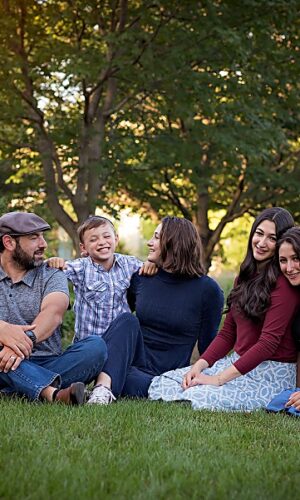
(24,260)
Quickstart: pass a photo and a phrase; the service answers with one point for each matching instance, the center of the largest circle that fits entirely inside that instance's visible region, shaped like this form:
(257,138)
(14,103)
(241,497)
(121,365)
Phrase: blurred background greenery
(173,107)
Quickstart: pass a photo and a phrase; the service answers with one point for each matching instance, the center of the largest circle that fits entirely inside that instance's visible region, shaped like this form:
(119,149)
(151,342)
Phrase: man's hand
(9,360)
(56,262)
(13,336)
(148,269)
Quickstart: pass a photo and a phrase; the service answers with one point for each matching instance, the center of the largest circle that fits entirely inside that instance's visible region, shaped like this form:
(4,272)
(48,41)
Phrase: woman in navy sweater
(177,308)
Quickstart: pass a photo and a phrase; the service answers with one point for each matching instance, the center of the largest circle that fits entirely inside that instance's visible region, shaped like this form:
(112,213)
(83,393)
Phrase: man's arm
(53,308)
(49,318)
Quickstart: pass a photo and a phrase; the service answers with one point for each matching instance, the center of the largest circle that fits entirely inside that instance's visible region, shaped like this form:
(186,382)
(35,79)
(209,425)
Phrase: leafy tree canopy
(184,107)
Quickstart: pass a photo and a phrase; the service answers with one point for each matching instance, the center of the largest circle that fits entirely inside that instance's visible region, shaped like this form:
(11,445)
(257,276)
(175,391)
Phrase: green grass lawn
(145,450)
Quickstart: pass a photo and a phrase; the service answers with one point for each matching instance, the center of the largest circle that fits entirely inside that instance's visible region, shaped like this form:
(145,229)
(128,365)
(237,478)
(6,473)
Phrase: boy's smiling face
(100,244)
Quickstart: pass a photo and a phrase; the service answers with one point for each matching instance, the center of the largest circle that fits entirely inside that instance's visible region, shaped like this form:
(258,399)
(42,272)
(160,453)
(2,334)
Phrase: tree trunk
(202,225)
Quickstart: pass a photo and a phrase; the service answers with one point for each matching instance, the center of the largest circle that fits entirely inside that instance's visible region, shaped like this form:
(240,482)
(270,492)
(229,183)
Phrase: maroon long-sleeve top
(269,339)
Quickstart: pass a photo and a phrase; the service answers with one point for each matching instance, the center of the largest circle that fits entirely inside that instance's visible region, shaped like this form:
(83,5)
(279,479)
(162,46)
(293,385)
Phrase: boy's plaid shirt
(100,295)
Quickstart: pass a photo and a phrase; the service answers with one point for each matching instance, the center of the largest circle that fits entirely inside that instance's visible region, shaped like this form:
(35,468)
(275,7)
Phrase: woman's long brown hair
(252,293)
(181,247)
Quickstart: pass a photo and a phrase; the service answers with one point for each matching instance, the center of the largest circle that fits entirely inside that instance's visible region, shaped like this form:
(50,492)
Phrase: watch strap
(32,336)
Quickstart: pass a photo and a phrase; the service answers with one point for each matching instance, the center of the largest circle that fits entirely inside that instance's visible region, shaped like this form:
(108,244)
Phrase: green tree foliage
(184,107)
(226,135)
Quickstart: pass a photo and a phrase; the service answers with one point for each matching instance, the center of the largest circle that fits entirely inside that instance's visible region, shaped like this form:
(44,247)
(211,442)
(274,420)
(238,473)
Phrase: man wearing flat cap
(33,300)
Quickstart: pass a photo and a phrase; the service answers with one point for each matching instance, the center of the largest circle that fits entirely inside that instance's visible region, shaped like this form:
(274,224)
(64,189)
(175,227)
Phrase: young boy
(101,278)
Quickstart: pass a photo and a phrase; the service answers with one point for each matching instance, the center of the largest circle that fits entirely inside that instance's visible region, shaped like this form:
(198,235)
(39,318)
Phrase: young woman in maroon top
(257,327)
(289,261)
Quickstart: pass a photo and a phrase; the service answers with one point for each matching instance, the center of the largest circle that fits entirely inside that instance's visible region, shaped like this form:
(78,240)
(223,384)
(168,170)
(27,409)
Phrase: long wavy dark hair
(251,295)
(181,247)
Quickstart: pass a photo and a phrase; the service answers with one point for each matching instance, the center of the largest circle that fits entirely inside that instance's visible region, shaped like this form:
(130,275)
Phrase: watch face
(31,335)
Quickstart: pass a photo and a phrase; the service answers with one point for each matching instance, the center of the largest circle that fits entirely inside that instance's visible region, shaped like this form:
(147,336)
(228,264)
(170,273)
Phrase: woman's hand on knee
(193,373)
(203,379)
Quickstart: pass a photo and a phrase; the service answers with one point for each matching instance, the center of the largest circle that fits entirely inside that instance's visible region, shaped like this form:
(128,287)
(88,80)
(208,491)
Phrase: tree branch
(174,198)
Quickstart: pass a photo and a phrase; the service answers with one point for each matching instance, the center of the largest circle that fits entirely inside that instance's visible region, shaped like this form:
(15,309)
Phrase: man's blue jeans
(81,362)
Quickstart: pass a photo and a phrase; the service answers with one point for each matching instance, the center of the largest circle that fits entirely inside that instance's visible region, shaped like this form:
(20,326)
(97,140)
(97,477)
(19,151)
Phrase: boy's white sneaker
(101,395)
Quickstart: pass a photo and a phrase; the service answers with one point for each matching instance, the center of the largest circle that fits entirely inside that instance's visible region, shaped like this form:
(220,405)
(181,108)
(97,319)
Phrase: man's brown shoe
(72,395)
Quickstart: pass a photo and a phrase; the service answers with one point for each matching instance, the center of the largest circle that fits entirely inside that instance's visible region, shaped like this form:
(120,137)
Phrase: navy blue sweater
(175,312)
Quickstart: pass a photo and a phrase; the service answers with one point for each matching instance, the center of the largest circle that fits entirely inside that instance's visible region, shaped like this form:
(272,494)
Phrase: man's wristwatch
(32,336)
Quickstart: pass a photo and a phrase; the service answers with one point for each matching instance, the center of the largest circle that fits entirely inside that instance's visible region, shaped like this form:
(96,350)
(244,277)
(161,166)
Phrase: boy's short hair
(92,222)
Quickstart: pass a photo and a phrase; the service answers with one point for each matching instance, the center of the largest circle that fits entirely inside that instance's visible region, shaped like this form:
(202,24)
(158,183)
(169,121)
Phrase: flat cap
(22,223)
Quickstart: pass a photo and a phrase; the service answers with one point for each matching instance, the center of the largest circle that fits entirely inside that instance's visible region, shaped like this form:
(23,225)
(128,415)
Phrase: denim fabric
(278,403)
(137,383)
(127,363)
(81,362)
(125,348)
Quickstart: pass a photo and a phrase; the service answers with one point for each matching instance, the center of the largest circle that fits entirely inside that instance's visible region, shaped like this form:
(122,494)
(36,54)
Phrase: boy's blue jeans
(80,362)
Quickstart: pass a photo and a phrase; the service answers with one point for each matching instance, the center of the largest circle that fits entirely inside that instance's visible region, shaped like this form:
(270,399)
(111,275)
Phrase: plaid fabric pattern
(100,295)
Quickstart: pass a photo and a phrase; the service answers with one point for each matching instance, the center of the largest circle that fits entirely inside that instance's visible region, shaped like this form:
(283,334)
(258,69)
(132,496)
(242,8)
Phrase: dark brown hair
(181,247)
(251,295)
(92,222)
(291,236)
